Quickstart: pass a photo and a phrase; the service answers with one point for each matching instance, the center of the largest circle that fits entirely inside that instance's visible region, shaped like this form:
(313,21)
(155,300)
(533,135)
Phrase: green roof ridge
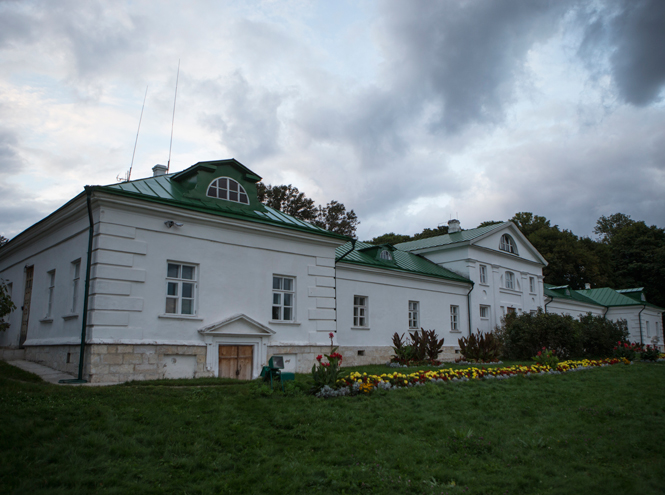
(403,261)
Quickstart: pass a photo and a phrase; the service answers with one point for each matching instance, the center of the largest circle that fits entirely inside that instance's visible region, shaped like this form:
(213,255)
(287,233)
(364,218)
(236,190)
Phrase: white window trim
(273,291)
(532,285)
(509,275)
(454,318)
(483,275)
(179,281)
(507,244)
(215,184)
(76,286)
(414,312)
(366,315)
(50,296)
(483,306)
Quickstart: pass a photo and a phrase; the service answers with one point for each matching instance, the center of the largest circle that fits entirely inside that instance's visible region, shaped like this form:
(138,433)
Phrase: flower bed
(356,382)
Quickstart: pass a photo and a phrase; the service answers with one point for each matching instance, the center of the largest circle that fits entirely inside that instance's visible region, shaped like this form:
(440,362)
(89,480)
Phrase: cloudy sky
(408,112)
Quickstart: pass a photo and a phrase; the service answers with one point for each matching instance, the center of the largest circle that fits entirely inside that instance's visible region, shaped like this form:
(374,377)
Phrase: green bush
(480,347)
(418,347)
(599,335)
(524,335)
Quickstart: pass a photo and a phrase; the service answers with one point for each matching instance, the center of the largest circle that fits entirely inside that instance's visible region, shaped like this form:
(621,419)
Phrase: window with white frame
(360,311)
(283,298)
(510,280)
(648,330)
(483,274)
(454,318)
(181,289)
(532,284)
(76,277)
(386,255)
(50,293)
(484,311)
(414,317)
(657,334)
(227,189)
(508,244)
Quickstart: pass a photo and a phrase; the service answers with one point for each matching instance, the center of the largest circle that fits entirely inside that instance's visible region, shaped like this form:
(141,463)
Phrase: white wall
(466,259)
(388,296)
(573,308)
(58,242)
(235,260)
(632,315)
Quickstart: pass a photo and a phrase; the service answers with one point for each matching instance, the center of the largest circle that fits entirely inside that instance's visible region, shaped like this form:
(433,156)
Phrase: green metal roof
(180,190)
(442,240)
(365,254)
(611,297)
(565,292)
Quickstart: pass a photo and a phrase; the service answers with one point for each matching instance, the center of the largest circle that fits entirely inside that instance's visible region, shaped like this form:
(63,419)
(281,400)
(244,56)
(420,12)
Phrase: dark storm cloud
(631,33)
(245,117)
(464,57)
(95,36)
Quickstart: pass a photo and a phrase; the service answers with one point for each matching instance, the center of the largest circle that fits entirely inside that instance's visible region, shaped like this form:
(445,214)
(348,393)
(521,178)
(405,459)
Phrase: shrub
(480,347)
(6,305)
(419,346)
(546,357)
(325,373)
(600,335)
(650,353)
(526,334)
(625,350)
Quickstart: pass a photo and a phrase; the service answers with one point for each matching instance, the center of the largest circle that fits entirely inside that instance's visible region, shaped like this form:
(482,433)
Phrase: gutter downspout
(605,313)
(551,299)
(353,246)
(86,291)
(468,305)
(639,315)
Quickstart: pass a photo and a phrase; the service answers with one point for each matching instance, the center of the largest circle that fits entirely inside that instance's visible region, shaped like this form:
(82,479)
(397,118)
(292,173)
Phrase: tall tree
(335,218)
(3,240)
(607,227)
(390,238)
(290,200)
(570,260)
(287,199)
(6,305)
(487,223)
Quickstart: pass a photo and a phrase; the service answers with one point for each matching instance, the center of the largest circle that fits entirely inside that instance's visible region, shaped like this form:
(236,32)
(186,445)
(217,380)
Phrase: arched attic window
(227,189)
(508,244)
(386,255)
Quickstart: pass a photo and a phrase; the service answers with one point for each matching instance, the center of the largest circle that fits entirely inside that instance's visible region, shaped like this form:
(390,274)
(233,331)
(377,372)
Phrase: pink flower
(331,335)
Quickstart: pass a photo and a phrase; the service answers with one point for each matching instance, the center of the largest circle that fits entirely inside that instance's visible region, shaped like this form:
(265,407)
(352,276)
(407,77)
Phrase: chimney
(453,226)
(158,170)
(587,285)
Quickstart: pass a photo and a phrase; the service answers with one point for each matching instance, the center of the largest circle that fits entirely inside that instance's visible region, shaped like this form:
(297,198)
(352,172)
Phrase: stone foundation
(122,362)
(352,355)
(59,357)
(11,354)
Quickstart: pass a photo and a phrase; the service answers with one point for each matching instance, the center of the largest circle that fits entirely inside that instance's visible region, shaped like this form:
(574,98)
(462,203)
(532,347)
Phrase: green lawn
(596,431)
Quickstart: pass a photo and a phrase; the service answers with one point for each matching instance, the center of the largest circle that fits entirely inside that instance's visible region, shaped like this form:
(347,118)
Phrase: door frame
(25,313)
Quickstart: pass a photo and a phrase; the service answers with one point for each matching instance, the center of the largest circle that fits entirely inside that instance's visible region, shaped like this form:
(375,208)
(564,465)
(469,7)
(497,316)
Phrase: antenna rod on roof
(168,164)
(129,174)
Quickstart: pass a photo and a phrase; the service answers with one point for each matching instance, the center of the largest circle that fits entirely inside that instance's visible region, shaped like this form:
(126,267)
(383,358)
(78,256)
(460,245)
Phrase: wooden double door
(235,361)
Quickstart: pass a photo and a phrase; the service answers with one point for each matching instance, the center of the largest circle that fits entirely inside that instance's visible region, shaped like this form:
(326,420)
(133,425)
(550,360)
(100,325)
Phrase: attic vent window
(508,244)
(228,189)
(385,255)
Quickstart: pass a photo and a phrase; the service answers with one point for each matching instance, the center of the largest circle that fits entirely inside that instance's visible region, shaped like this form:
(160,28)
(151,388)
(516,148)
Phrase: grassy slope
(596,431)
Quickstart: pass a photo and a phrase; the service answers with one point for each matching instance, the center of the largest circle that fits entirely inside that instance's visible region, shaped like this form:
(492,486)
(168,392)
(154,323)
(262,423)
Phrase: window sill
(70,317)
(484,284)
(180,317)
(359,328)
(455,331)
(47,319)
(284,322)
(510,291)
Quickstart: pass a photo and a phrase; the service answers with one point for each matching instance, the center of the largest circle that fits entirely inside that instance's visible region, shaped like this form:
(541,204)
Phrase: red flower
(319,358)
(331,335)
(539,353)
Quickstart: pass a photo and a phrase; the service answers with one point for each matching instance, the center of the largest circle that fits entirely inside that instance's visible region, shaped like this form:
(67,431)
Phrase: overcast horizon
(408,112)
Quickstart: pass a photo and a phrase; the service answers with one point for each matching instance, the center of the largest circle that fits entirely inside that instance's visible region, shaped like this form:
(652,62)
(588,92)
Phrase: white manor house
(189,275)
